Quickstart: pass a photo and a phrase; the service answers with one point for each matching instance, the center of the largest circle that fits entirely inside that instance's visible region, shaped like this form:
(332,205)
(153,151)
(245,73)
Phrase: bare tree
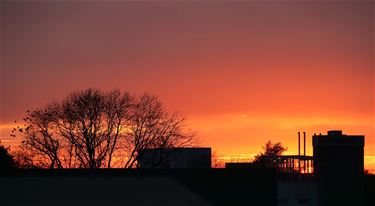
(80,131)
(93,129)
(26,159)
(151,127)
(269,157)
(40,139)
(91,123)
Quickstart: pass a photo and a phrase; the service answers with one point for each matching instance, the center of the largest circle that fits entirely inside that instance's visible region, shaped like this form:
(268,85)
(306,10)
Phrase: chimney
(299,153)
(304,143)
(299,139)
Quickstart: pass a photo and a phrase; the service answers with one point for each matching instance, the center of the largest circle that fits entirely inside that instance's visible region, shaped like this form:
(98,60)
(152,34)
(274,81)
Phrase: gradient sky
(242,72)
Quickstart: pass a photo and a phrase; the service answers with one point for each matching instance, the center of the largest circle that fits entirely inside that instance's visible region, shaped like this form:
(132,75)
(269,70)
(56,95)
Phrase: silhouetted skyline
(242,73)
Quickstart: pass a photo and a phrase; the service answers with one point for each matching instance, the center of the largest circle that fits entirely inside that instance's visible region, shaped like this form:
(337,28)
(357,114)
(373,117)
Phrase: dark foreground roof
(139,187)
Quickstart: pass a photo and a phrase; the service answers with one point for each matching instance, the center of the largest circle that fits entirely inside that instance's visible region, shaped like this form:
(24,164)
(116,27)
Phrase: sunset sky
(242,73)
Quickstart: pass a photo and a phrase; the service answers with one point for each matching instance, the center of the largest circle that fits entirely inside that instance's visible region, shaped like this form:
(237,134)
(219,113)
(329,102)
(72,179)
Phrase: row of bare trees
(95,129)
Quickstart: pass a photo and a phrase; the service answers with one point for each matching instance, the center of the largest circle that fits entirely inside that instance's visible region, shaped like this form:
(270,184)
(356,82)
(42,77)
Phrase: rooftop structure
(339,168)
(176,158)
(300,163)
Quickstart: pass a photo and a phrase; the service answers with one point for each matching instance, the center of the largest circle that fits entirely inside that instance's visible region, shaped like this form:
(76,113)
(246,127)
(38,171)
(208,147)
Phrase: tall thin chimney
(299,144)
(299,153)
(304,143)
(304,151)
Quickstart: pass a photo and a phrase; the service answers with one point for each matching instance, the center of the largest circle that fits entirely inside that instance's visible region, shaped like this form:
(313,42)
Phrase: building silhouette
(139,187)
(339,168)
(334,175)
(176,158)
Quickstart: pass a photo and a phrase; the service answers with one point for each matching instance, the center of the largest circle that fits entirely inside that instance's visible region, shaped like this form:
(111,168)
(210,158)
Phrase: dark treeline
(96,129)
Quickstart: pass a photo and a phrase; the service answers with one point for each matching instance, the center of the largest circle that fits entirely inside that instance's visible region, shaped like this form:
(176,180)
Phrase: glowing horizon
(242,73)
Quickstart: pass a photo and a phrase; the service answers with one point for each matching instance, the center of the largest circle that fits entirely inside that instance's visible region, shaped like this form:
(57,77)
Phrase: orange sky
(242,73)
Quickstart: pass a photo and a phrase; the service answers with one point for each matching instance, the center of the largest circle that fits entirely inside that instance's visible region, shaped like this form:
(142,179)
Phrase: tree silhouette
(90,128)
(151,127)
(7,161)
(269,157)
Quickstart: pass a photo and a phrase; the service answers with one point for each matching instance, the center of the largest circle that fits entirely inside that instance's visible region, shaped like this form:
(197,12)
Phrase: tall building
(339,168)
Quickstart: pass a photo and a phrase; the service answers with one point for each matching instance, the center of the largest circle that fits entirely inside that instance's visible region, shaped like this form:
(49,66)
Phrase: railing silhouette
(295,168)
